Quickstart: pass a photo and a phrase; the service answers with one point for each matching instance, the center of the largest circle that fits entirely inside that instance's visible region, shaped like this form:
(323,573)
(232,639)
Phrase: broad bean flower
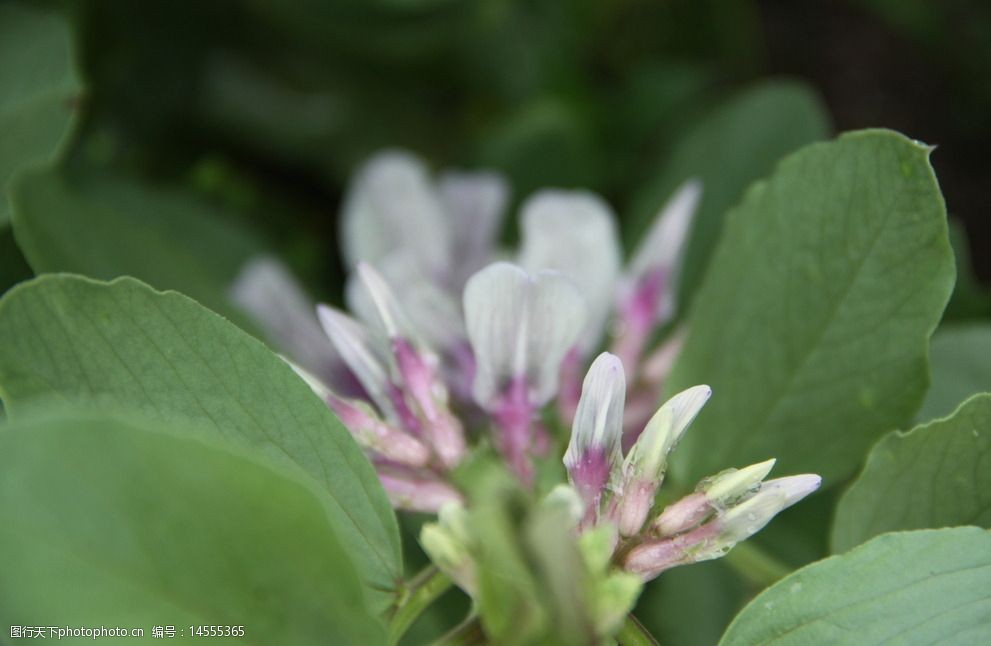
(450,340)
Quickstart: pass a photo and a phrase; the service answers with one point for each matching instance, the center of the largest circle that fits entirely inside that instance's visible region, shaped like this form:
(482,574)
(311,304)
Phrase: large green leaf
(736,144)
(922,587)
(109,522)
(813,322)
(105,226)
(961,367)
(937,475)
(38,87)
(124,344)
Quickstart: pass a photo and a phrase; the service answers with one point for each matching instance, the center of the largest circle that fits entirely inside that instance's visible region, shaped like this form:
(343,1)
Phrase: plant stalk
(421,591)
(632,633)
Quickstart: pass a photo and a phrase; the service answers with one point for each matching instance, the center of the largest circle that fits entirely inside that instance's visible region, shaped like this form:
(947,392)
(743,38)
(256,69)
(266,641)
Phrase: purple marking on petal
(638,315)
(374,434)
(417,375)
(513,415)
(651,558)
(417,492)
(589,476)
(461,372)
(407,419)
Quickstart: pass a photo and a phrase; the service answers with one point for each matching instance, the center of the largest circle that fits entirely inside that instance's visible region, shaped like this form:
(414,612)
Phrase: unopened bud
(647,458)
(565,497)
(682,515)
(372,433)
(446,542)
(417,492)
(751,515)
(635,503)
(731,486)
(594,450)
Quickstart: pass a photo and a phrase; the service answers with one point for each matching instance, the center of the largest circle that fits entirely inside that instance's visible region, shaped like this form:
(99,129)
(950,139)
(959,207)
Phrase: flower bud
(594,450)
(729,487)
(682,515)
(647,458)
(415,491)
(372,433)
(447,544)
(751,515)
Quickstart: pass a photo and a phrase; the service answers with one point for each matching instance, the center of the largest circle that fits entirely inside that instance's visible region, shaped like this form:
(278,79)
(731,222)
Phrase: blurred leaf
(38,90)
(124,344)
(812,325)
(105,227)
(692,605)
(13,267)
(166,530)
(730,148)
(961,366)
(546,143)
(923,587)
(936,475)
(531,576)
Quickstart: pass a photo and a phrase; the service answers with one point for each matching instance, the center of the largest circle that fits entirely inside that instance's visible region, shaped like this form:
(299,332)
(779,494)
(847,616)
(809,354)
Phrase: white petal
(556,316)
(266,289)
(495,304)
(390,313)
(475,204)
(648,455)
(434,315)
(392,204)
(750,516)
(363,354)
(575,233)
(599,419)
(520,326)
(662,247)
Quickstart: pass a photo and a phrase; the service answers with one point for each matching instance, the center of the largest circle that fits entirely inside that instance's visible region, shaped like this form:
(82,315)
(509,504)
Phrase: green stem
(420,592)
(467,633)
(632,633)
(757,566)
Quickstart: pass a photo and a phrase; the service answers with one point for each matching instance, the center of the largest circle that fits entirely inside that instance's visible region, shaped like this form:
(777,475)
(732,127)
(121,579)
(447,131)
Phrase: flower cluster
(613,497)
(451,341)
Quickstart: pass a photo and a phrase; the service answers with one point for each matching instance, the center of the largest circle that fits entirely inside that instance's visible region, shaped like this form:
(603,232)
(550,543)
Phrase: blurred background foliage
(262,108)
(207,131)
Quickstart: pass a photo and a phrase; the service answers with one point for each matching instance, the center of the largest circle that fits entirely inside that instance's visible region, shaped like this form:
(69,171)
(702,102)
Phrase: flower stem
(422,590)
(632,633)
(755,565)
(467,633)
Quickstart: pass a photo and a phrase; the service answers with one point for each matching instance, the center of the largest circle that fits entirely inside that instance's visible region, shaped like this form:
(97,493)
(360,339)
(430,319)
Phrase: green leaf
(936,475)
(13,268)
(109,522)
(736,144)
(961,367)
(922,587)
(105,227)
(38,87)
(124,344)
(812,325)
